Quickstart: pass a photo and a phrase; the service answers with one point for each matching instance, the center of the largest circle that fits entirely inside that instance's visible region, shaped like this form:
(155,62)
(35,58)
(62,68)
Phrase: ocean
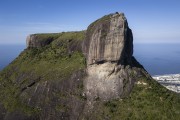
(157,59)
(8,53)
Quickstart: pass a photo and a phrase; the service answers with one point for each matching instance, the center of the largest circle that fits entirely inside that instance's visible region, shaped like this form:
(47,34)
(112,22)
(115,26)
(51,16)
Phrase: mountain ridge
(52,79)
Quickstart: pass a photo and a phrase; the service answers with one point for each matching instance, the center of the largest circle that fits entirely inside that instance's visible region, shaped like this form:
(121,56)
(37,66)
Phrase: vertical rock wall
(108,48)
(107,39)
(40,40)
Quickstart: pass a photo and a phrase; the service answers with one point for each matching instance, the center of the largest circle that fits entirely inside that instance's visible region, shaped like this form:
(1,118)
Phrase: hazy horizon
(151,21)
(157,58)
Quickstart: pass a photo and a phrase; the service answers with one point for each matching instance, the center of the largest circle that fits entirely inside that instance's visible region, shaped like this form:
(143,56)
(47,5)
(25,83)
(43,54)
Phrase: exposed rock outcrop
(40,40)
(52,79)
(108,48)
(109,39)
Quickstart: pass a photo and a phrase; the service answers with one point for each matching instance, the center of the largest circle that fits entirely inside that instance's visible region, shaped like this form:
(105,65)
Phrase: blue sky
(152,21)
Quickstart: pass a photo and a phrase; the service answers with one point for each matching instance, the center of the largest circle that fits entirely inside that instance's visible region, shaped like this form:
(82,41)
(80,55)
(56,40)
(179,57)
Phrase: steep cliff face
(108,48)
(45,82)
(40,40)
(86,75)
(109,39)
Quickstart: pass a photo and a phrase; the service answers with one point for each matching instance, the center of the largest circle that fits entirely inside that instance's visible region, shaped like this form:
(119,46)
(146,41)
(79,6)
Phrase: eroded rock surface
(108,81)
(40,40)
(108,48)
(108,39)
(52,81)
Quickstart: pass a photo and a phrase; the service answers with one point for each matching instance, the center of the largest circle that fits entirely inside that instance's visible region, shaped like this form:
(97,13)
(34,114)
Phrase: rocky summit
(109,39)
(84,75)
(108,48)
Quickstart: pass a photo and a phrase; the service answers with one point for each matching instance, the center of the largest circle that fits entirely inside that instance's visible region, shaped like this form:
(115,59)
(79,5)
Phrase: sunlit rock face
(108,81)
(108,49)
(109,39)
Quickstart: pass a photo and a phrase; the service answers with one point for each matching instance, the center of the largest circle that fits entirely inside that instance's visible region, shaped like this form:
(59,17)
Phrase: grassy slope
(53,62)
(146,102)
(56,62)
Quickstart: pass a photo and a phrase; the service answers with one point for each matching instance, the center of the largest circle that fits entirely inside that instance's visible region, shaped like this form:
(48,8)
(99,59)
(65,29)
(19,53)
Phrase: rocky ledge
(40,40)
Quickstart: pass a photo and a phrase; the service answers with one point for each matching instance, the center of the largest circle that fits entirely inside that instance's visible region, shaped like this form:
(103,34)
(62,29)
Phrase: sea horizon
(157,58)
(9,52)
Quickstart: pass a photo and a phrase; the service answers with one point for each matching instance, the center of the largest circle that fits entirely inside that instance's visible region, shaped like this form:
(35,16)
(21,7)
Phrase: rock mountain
(108,48)
(85,75)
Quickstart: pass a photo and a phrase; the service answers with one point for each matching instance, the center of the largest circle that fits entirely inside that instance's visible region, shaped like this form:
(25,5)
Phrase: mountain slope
(33,82)
(51,79)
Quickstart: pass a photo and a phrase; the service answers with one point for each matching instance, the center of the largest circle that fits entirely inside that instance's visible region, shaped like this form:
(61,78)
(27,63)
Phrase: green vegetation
(43,37)
(57,62)
(54,62)
(148,101)
(101,20)
(63,108)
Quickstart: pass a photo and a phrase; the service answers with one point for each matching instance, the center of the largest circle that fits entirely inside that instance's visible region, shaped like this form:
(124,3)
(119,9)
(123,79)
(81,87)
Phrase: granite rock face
(108,39)
(108,81)
(108,49)
(38,40)
(52,79)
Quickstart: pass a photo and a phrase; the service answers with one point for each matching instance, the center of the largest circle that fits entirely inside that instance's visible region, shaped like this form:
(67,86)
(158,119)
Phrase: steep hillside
(86,75)
(45,80)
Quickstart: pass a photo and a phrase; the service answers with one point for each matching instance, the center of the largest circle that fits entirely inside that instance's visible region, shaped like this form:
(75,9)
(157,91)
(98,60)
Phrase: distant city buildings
(171,82)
